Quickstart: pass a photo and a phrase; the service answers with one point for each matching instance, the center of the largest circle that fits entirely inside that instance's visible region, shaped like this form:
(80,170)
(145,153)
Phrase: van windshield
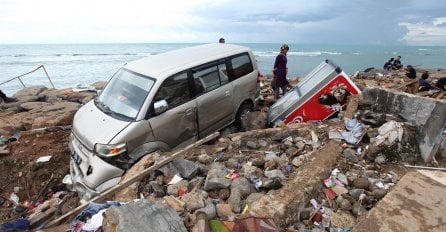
(124,95)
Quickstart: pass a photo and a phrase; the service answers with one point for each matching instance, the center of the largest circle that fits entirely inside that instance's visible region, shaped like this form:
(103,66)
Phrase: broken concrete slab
(283,205)
(415,204)
(427,114)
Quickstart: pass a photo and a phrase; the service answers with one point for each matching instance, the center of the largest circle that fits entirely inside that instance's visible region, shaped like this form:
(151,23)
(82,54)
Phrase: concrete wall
(427,114)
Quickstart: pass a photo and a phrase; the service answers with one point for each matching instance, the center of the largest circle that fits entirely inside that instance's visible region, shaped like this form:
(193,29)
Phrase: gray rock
(380,159)
(215,178)
(232,163)
(355,193)
(251,144)
(300,145)
(350,154)
(209,210)
(193,200)
(204,158)
(242,185)
(276,173)
(187,169)
(235,200)
(297,161)
(358,209)
(345,205)
(379,193)
(152,216)
(342,178)
(157,189)
(262,143)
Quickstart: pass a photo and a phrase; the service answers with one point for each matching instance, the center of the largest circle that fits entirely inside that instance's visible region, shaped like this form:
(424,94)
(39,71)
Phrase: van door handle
(227,93)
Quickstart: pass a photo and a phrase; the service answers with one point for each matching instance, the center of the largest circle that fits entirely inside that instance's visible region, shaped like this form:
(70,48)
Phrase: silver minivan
(159,103)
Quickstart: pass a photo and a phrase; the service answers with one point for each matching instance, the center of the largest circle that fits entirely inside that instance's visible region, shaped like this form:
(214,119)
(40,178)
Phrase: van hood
(91,126)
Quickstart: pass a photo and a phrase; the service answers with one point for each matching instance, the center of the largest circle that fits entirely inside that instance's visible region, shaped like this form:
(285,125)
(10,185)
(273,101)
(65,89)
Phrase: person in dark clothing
(397,63)
(424,85)
(388,65)
(441,83)
(5,98)
(280,71)
(410,72)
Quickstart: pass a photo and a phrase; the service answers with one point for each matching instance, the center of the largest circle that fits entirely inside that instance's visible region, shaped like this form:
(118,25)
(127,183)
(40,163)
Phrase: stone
(276,173)
(232,163)
(175,203)
(361,183)
(186,168)
(193,200)
(243,186)
(370,173)
(380,159)
(355,193)
(358,209)
(254,120)
(173,188)
(262,143)
(235,200)
(157,189)
(345,205)
(209,210)
(251,144)
(204,159)
(224,210)
(152,216)
(300,145)
(379,193)
(297,161)
(216,177)
(350,154)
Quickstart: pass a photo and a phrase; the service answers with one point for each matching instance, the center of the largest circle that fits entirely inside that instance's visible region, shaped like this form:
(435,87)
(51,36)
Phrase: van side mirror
(160,106)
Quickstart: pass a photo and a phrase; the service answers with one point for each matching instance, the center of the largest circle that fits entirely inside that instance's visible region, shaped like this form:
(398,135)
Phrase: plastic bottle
(326,218)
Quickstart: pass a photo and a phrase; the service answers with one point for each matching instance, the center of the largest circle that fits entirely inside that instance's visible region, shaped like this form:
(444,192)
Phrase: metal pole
(44,69)
(21,82)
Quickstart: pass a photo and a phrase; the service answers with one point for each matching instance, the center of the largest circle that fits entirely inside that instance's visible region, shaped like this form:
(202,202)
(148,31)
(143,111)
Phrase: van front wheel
(242,111)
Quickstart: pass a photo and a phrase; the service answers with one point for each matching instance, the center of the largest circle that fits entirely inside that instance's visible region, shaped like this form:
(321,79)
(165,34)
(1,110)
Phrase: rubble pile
(397,80)
(313,176)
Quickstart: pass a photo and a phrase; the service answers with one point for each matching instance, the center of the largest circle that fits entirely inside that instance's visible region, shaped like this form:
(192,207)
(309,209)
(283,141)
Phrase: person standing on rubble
(280,71)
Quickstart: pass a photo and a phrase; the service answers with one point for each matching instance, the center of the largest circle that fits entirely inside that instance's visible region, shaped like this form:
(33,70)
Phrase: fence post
(44,69)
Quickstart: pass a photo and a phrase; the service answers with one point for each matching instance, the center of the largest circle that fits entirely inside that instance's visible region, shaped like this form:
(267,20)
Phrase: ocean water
(84,64)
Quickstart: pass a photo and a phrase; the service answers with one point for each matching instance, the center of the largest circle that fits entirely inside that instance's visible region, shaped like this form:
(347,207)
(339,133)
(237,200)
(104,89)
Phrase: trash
(175,180)
(86,215)
(218,156)
(43,159)
(249,224)
(14,198)
(17,225)
(391,131)
(355,131)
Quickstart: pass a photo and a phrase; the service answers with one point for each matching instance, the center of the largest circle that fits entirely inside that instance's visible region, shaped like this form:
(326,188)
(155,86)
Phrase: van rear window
(241,65)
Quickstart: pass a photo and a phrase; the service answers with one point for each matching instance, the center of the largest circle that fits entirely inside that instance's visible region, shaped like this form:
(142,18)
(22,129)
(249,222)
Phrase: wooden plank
(103,196)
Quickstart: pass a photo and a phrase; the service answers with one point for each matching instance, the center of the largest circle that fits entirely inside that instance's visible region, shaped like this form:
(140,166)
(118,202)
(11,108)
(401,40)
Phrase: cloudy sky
(411,22)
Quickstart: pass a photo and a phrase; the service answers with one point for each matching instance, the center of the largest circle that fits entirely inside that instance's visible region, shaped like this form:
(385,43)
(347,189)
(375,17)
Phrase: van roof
(165,64)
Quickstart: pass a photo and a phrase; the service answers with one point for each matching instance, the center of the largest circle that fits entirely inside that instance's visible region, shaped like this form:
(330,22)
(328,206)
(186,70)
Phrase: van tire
(242,111)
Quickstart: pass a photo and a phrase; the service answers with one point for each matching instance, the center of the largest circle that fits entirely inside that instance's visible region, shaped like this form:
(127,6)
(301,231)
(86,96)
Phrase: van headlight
(106,150)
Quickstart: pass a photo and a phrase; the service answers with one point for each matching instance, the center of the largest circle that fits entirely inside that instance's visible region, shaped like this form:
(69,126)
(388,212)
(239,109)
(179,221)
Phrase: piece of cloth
(424,85)
(355,131)
(87,214)
(15,225)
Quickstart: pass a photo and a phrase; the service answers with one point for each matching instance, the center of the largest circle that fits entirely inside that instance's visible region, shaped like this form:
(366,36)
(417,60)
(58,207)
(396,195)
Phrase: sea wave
(298,53)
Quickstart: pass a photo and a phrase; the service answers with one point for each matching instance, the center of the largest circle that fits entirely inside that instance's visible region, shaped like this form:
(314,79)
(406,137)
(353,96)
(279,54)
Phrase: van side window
(175,90)
(241,65)
(210,78)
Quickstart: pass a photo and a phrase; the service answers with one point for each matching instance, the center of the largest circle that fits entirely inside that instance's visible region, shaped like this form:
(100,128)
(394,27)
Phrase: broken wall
(427,114)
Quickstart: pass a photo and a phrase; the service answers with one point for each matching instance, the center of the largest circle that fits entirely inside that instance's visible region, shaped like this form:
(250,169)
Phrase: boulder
(142,216)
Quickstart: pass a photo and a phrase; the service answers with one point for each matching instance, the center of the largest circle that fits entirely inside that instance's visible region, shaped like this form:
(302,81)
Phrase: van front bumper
(90,175)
